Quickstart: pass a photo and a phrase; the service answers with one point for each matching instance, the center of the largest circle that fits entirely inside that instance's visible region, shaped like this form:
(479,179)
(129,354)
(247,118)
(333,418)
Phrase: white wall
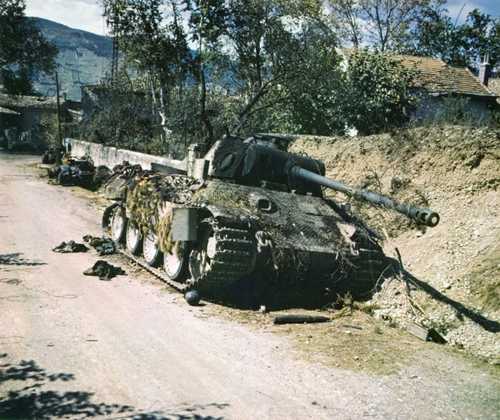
(111,156)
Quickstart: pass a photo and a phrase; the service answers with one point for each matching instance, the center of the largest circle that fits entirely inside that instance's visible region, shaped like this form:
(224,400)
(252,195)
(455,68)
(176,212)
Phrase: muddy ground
(78,347)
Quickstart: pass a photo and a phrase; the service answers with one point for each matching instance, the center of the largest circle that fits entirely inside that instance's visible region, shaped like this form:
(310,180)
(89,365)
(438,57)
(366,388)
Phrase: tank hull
(252,234)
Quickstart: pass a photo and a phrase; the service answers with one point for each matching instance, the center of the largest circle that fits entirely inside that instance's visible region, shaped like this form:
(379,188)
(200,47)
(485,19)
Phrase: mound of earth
(454,170)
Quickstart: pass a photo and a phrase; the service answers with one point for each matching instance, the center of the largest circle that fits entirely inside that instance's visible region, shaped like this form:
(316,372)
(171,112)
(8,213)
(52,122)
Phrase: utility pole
(114,60)
(59,130)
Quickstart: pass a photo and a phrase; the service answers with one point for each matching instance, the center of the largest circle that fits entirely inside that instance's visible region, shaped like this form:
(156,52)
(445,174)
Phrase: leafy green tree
(435,34)
(207,22)
(263,36)
(377,93)
(314,94)
(153,45)
(481,36)
(23,49)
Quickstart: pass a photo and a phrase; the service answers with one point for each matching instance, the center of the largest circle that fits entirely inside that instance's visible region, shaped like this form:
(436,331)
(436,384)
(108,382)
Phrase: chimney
(484,70)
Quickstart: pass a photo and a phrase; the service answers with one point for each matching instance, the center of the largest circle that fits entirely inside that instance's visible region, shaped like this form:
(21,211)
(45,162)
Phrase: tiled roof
(437,77)
(20,101)
(8,111)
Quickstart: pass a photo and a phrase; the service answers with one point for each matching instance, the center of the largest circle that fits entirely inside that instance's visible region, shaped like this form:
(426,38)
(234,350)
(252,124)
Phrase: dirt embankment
(456,266)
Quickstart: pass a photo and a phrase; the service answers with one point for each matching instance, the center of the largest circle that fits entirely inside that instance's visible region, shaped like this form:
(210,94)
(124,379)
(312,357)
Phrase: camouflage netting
(115,187)
(218,192)
(149,204)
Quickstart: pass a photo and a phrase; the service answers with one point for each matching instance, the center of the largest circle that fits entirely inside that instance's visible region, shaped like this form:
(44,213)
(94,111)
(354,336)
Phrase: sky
(87,14)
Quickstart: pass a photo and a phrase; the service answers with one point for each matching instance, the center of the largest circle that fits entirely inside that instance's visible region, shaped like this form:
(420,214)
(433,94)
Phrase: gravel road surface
(73,346)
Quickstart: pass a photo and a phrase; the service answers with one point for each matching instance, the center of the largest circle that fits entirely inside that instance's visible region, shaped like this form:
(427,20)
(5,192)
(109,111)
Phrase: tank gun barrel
(418,214)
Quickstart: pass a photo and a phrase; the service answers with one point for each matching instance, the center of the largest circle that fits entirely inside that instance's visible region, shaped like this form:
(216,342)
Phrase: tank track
(235,253)
(369,263)
(233,258)
(181,287)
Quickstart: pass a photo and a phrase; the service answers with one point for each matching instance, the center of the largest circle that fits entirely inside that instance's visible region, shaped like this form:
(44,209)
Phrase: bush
(377,93)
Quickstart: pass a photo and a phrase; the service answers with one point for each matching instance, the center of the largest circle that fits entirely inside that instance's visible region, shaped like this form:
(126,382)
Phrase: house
(440,81)
(439,84)
(27,121)
(494,86)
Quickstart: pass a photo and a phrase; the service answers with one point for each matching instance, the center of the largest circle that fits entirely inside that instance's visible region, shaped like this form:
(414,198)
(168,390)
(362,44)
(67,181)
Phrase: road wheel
(118,225)
(175,261)
(133,238)
(63,178)
(150,250)
(201,257)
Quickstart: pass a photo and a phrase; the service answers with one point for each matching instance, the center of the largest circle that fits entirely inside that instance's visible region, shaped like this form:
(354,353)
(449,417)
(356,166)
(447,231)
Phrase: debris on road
(299,319)
(192,297)
(103,246)
(104,270)
(69,247)
(74,171)
(425,334)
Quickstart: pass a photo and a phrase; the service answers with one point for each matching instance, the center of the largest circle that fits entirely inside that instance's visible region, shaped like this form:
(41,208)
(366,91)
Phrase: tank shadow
(17,259)
(26,399)
(462,310)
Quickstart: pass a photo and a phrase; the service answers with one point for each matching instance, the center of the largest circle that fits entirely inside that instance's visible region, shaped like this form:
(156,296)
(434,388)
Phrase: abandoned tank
(248,212)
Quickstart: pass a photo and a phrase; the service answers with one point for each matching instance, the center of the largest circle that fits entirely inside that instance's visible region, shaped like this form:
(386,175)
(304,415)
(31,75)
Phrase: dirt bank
(455,171)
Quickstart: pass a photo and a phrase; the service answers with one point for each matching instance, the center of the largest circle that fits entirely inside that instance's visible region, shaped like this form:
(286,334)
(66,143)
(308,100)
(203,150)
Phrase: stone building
(442,84)
(27,122)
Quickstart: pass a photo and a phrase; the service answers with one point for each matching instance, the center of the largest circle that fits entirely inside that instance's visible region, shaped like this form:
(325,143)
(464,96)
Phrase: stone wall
(111,156)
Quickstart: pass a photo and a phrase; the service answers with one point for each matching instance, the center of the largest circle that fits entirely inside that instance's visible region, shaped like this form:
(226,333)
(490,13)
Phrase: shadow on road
(17,259)
(27,400)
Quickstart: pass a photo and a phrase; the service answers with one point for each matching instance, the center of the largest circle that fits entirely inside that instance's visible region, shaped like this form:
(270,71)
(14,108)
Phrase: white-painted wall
(111,156)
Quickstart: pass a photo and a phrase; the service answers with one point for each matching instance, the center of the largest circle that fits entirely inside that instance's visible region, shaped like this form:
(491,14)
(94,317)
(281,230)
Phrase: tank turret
(260,163)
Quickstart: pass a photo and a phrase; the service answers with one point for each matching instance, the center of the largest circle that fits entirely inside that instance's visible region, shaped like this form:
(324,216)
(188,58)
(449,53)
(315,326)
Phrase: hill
(84,58)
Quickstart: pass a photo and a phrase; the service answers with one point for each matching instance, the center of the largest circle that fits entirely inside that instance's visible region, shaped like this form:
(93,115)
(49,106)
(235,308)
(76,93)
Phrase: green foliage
(315,93)
(23,50)
(121,118)
(435,34)
(251,66)
(378,93)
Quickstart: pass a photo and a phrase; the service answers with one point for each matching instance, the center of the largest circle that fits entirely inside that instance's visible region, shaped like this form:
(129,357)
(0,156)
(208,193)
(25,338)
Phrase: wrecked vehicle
(52,155)
(74,171)
(248,212)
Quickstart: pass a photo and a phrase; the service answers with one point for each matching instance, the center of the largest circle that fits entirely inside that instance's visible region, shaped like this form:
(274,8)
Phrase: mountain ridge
(83,58)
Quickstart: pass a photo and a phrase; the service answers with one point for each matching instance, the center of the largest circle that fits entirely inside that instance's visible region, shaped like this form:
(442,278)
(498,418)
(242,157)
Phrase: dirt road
(75,347)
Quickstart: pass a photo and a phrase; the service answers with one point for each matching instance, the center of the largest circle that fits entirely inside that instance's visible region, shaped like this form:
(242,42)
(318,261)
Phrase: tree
(207,22)
(348,20)
(153,45)
(434,34)
(381,22)
(480,36)
(314,94)
(263,35)
(23,49)
(377,93)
